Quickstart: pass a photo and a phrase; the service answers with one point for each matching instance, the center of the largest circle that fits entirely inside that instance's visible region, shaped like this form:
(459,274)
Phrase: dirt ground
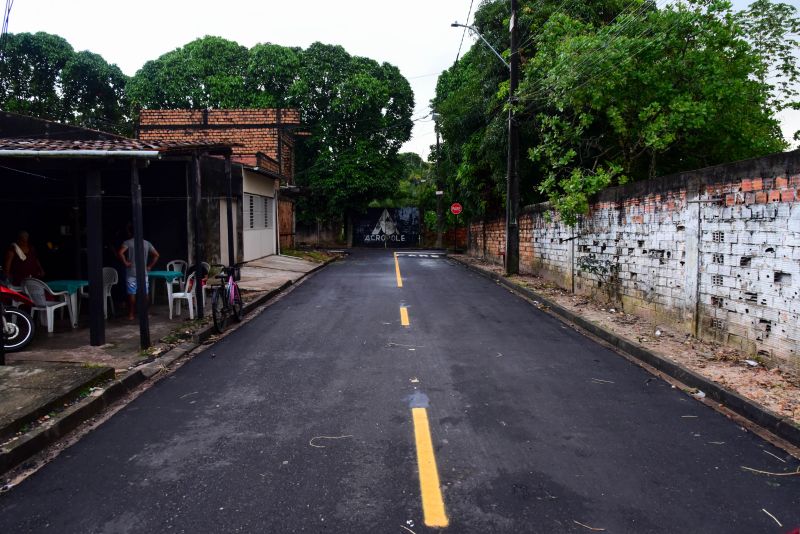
(774,389)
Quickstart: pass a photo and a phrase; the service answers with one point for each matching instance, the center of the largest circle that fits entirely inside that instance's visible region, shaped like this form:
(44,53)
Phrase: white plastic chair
(38,292)
(18,289)
(187,294)
(110,279)
(178,266)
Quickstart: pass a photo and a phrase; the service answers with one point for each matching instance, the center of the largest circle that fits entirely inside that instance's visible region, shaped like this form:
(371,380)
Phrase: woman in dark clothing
(21,261)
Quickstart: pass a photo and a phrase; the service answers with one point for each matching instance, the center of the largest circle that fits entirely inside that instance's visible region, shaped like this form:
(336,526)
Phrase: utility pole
(512,183)
(439,194)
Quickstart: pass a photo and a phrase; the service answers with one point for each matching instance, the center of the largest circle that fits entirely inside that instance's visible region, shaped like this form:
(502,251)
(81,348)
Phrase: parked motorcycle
(16,325)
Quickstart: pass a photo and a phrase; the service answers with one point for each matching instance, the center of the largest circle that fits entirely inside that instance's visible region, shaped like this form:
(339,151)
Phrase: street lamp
(476,32)
(512,179)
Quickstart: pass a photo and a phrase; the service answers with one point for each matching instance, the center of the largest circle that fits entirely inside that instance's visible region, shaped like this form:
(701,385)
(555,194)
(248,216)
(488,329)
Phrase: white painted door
(259,226)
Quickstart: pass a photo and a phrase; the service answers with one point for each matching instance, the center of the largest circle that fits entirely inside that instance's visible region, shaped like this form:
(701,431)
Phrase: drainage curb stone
(780,426)
(18,451)
(12,427)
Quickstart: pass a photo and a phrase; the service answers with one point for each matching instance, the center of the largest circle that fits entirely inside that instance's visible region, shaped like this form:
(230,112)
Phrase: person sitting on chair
(21,261)
(129,260)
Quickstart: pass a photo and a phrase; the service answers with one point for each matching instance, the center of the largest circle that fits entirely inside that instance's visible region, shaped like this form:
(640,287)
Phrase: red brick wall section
(714,252)
(451,239)
(257,138)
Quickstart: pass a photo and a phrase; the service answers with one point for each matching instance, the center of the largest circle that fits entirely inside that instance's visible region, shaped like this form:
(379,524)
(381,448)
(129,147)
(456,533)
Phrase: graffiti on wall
(387,227)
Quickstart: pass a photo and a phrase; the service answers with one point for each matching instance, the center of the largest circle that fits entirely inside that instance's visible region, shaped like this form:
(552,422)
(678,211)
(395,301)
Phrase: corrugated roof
(115,145)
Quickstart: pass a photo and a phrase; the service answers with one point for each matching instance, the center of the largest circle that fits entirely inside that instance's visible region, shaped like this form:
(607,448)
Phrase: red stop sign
(455,208)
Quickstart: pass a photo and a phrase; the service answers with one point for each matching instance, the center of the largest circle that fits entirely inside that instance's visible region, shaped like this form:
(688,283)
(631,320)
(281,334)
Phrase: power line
(6,15)
(26,172)
(618,34)
(630,11)
(4,31)
(465,30)
(423,75)
(588,65)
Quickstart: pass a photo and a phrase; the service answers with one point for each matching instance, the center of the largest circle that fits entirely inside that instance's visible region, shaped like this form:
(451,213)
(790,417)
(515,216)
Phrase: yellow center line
(432,502)
(404,316)
(397,271)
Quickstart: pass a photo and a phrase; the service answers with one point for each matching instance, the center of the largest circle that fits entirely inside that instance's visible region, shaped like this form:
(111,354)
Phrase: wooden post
(142,303)
(198,236)
(229,181)
(94,245)
(76,229)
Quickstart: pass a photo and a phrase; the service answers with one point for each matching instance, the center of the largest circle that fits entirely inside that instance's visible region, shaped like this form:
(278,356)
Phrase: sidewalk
(61,376)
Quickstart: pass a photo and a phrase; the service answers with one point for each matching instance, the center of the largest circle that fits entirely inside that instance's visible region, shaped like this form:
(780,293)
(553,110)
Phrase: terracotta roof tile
(121,144)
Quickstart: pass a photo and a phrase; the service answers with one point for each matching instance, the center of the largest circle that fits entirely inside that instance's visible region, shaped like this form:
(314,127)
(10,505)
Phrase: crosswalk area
(421,254)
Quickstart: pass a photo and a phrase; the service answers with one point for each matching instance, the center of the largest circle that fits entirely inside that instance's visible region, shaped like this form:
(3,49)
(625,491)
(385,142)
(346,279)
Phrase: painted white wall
(259,241)
(258,184)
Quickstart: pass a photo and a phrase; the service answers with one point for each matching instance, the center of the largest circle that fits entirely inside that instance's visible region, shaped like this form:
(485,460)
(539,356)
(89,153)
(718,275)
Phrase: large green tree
(356,109)
(617,90)
(205,73)
(41,75)
(359,115)
(471,99)
(673,89)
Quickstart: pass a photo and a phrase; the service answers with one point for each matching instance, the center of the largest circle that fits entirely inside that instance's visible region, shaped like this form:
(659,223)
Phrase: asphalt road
(302,422)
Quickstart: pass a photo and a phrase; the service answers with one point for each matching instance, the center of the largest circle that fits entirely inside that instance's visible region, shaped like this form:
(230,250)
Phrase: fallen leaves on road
(773,517)
(595,529)
(791,474)
(601,381)
(776,456)
(311,441)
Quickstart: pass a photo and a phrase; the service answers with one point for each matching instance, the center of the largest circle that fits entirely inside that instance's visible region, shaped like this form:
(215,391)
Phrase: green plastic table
(168,277)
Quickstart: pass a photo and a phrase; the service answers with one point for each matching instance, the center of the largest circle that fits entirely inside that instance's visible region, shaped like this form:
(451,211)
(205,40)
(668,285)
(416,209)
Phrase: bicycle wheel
(18,329)
(237,304)
(219,309)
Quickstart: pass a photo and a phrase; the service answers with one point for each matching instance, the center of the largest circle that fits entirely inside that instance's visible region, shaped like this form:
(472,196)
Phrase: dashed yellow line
(432,501)
(397,271)
(404,316)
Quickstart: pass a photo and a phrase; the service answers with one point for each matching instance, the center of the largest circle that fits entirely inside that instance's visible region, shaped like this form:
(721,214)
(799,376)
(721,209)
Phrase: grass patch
(317,256)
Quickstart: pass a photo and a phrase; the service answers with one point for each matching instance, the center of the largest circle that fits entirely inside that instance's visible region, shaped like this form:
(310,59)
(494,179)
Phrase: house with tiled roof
(77,190)
(263,143)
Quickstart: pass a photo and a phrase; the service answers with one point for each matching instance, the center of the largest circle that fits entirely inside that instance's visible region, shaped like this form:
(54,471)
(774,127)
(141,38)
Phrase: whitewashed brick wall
(715,252)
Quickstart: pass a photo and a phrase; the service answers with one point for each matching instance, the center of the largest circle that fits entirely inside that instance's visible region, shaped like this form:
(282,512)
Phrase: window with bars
(258,212)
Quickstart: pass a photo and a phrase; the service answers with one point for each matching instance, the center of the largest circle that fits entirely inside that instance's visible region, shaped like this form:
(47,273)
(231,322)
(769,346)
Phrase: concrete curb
(13,427)
(780,426)
(44,436)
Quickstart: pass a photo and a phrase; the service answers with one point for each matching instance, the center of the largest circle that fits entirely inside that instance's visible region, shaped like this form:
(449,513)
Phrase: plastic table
(168,277)
(71,287)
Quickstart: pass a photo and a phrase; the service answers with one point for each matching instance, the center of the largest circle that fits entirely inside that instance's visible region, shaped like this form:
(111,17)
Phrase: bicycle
(226,299)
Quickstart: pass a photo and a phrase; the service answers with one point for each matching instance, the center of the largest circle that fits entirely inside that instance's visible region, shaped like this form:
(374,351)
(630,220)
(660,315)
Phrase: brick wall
(255,130)
(715,252)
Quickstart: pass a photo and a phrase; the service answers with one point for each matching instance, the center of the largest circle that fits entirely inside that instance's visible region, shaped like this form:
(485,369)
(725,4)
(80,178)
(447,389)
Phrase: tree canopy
(41,75)
(357,110)
(614,91)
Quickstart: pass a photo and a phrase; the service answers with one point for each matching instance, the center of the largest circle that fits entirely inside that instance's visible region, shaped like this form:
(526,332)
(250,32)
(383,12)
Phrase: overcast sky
(414,35)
